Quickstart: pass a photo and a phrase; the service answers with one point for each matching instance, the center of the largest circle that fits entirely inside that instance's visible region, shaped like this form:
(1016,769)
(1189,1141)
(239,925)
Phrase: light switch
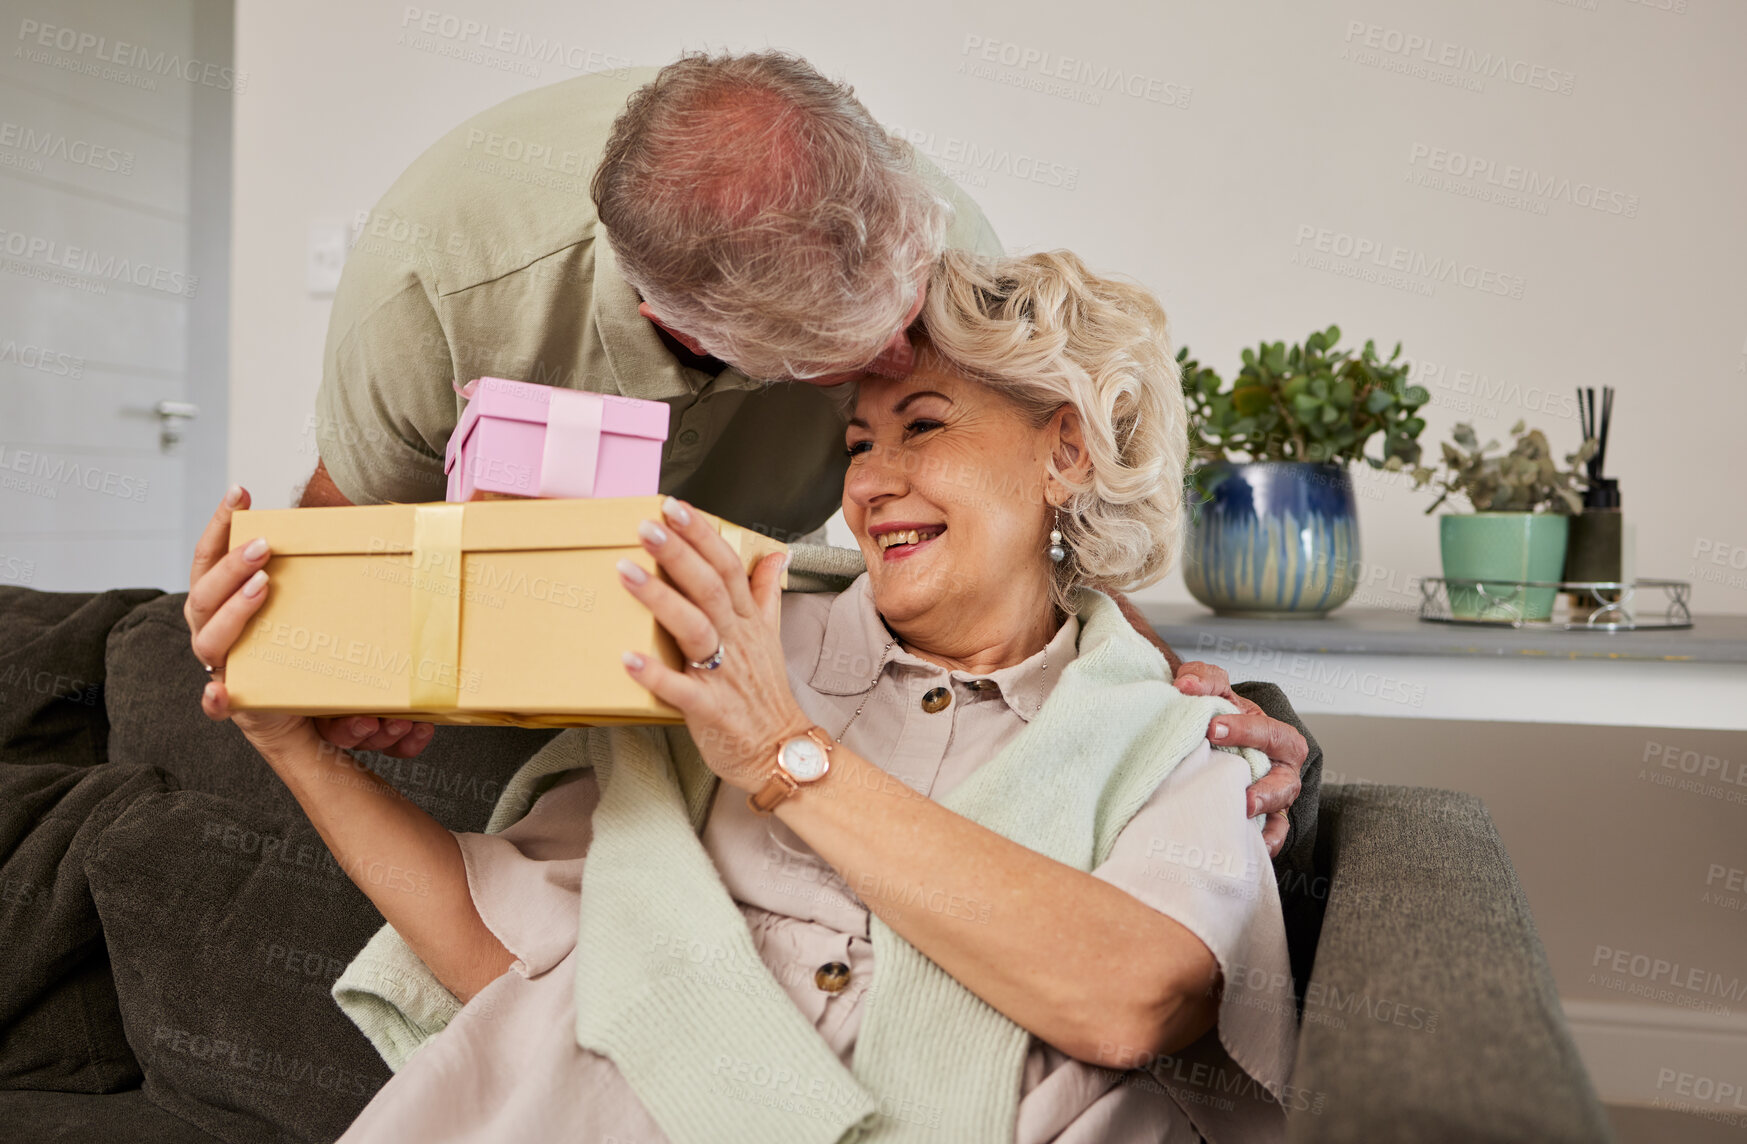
(327,254)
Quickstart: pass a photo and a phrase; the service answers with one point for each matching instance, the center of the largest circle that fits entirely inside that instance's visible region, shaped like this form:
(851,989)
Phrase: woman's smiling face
(945,496)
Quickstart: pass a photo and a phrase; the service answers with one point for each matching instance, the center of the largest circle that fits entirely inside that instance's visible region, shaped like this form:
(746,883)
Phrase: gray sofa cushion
(1431,996)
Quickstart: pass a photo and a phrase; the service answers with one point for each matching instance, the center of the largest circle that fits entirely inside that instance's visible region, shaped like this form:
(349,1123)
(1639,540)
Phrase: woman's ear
(1068,449)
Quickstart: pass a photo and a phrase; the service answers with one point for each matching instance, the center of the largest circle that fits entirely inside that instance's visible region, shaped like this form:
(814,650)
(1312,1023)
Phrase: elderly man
(759,228)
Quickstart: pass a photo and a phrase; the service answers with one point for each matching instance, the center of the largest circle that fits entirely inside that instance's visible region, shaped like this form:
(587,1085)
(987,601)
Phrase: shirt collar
(641,364)
(855,644)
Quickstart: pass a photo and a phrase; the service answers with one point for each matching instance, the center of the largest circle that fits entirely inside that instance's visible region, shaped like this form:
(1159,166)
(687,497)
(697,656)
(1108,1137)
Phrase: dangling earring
(1058,552)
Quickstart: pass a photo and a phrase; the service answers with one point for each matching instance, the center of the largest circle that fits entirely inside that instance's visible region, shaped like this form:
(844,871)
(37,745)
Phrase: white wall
(114,187)
(1258,133)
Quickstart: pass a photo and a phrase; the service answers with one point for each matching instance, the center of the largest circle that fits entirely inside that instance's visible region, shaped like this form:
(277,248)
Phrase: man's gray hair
(760,209)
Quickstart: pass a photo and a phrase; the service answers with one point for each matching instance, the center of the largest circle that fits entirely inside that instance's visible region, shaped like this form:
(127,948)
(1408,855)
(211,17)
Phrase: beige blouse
(508,1066)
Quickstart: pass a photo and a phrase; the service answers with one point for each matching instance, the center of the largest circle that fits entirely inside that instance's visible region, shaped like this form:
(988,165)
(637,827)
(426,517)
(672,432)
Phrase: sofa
(170,924)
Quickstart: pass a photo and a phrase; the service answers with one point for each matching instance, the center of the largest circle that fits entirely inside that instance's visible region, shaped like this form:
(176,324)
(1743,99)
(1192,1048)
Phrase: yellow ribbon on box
(436,606)
(437,586)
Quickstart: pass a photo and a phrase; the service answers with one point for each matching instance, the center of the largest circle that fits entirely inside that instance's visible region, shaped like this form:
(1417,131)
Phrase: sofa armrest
(1431,1013)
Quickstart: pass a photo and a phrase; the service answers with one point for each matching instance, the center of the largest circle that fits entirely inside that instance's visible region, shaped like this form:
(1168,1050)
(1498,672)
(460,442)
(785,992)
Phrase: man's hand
(1285,747)
(397,738)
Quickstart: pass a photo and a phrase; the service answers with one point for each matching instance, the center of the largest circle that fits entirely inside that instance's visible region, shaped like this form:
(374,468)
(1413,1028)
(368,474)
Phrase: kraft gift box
(520,439)
(500,611)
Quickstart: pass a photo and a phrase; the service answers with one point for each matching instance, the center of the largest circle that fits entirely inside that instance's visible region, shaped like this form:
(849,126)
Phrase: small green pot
(1496,548)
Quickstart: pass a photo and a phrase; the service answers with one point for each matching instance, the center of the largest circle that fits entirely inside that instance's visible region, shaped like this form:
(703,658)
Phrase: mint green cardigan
(932,1060)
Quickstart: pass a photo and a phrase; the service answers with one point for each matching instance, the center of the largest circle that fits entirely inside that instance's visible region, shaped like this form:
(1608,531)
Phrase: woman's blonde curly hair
(1045,331)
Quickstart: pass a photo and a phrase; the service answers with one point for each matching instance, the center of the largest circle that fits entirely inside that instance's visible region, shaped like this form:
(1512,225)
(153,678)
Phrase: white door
(114,221)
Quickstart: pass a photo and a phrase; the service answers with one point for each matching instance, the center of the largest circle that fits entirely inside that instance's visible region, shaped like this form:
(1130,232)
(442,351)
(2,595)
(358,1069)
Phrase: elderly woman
(944,855)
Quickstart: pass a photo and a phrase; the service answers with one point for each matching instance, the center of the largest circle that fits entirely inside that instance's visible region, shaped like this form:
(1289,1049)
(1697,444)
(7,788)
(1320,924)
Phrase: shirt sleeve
(386,405)
(1192,855)
(526,881)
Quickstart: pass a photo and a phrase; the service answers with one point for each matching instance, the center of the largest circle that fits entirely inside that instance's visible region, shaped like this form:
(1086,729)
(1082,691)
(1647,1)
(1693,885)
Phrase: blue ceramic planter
(1277,539)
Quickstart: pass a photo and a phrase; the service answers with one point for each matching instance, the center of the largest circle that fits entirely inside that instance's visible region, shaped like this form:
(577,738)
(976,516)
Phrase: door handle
(171,415)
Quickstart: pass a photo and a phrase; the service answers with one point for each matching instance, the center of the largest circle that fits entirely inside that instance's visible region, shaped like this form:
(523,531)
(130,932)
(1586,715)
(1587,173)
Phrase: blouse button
(982,685)
(935,699)
(831,977)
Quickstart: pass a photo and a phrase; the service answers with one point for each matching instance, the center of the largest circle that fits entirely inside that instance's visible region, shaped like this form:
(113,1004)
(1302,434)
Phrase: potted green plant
(1275,531)
(1518,530)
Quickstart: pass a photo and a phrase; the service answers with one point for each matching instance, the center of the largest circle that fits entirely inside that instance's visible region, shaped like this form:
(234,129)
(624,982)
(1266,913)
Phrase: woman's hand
(225,589)
(740,711)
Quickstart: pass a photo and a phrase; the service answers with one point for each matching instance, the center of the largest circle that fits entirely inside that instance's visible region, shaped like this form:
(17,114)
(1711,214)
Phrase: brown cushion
(58,1009)
(226,917)
(227,924)
(51,671)
(69,1118)
(60,1023)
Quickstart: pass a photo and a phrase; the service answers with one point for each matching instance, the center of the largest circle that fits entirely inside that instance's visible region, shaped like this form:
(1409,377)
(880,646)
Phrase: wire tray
(1595,605)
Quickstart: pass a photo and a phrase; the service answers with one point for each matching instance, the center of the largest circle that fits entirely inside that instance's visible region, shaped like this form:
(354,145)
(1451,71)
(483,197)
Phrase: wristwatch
(800,760)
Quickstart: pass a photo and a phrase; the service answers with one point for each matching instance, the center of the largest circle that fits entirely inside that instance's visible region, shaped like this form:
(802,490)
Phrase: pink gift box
(521,439)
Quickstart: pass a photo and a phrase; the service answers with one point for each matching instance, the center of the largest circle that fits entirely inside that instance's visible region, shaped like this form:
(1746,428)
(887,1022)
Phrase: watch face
(803,759)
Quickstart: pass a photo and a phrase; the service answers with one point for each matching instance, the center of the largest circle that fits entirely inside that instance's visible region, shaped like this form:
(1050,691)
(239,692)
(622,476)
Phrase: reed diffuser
(1597,550)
